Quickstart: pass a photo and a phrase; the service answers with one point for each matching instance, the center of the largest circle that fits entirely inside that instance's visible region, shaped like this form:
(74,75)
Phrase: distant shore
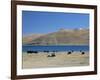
(61,59)
(56,44)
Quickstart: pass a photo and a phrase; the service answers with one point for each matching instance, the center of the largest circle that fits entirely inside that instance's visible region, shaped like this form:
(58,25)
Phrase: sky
(36,22)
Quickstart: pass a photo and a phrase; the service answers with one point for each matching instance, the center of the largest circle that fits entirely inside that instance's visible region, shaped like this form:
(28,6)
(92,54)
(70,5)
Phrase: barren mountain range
(61,37)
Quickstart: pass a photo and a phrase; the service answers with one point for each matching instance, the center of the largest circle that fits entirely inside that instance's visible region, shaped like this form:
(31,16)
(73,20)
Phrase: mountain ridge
(62,37)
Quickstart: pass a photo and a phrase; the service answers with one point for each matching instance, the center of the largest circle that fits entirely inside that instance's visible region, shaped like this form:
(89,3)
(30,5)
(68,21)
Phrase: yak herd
(52,54)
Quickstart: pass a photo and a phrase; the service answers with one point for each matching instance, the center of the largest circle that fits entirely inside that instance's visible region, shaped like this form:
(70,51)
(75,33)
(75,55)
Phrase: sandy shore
(62,59)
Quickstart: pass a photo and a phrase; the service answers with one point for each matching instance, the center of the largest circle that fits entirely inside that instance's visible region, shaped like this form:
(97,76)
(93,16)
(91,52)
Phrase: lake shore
(61,59)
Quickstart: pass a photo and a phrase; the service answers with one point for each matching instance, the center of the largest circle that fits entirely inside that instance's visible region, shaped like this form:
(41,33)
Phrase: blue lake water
(55,48)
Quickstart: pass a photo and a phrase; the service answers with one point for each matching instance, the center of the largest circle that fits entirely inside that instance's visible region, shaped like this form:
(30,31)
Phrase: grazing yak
(69,53)
(32,52)
(51,55)
(83,53)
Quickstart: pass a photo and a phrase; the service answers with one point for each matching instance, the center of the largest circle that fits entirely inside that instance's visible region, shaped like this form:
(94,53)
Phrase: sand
(62,59)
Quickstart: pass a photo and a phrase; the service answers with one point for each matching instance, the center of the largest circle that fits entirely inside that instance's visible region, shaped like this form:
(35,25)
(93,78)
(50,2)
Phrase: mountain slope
(63,37)
(27,39)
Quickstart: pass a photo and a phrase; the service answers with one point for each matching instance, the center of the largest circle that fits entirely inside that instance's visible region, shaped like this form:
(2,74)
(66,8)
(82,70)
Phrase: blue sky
(34,22)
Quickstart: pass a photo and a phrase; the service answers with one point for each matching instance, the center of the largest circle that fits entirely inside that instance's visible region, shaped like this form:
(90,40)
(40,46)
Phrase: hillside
(29,38)
(62,37)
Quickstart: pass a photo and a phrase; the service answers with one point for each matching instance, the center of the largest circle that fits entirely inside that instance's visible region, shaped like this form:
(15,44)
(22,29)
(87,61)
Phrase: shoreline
(56,45)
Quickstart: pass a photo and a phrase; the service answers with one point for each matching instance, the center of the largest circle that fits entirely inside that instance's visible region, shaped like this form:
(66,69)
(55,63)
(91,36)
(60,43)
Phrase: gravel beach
(61,59)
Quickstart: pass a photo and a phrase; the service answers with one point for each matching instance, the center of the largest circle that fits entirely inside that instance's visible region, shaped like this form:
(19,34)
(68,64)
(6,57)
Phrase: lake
(55,48)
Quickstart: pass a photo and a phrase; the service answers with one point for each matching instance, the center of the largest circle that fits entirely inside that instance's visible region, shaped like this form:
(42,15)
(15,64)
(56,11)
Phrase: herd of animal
(52,54)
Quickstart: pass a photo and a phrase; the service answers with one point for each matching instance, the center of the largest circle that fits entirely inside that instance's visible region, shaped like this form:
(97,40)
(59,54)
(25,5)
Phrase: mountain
(29,38)
(62,37)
